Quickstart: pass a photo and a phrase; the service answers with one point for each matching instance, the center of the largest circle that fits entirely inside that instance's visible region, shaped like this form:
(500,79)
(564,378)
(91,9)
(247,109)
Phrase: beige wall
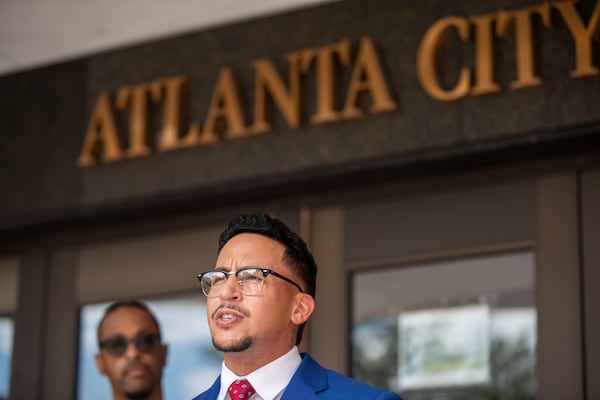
(141,266)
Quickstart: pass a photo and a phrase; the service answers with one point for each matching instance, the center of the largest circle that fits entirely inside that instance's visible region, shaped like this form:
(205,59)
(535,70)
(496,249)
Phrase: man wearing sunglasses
(259,297)
(131,353)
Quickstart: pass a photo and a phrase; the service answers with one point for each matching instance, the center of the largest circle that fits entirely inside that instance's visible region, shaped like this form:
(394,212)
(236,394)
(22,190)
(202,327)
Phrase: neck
(245,362)
(242,365)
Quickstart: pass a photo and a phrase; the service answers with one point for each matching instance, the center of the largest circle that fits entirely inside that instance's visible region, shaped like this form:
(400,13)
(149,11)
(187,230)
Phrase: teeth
(226,317)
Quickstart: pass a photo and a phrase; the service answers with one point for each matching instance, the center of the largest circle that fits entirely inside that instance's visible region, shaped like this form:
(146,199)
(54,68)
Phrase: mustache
(233,307)
(134,364)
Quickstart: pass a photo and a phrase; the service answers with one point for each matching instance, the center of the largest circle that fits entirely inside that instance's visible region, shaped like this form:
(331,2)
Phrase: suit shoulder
(328,384)
(339,383)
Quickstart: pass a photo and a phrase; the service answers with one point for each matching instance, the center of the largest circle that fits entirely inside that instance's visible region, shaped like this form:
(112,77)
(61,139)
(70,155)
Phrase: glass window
(6,342)
(462,329)
(192,365)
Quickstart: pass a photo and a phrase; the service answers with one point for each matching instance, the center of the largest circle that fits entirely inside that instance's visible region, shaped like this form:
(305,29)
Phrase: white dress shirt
(268,381)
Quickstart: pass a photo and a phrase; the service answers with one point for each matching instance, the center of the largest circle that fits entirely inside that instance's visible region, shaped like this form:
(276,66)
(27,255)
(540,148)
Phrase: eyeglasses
(250,280)
(116,346)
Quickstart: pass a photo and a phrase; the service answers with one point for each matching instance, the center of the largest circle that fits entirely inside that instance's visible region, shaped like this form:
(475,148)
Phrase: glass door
(456,329)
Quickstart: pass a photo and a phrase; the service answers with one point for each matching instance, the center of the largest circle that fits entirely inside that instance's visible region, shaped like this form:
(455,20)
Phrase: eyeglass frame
(136,340)
(265,271)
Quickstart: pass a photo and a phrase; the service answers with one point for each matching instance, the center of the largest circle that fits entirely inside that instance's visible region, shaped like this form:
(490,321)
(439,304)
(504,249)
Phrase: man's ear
(100,364)
(304,307)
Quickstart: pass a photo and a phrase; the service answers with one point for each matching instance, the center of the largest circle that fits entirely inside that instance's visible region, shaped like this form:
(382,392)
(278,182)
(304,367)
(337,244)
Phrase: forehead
(128,321)
(251,249)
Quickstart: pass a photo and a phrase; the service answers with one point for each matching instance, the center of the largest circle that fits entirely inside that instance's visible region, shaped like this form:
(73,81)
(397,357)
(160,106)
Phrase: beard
(235,347)
(139,395)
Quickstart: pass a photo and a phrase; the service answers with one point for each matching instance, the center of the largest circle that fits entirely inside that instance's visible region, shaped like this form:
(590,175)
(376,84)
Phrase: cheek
(114,369)
(277,312)
(211,304)
(155,362)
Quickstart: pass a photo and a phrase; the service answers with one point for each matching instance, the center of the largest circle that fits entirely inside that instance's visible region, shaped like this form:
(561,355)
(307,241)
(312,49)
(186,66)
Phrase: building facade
(438,156)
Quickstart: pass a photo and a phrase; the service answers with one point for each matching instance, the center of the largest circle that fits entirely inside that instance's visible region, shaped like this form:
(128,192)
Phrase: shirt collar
(269,380)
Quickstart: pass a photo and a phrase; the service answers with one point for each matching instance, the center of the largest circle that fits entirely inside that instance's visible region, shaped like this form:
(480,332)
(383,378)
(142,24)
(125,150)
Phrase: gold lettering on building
(480,79)
(136,100)
(278,85)
(522,20)
(224,105)
(169,91)
(324,59)
(484,62)
(582,36)
(367,76)
(224,119)
(266,80)
(429,52)
(101,137)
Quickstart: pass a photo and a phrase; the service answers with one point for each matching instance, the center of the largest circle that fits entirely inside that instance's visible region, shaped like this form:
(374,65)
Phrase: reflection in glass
(6,342)
(192,364)
(456,330)
(444,347)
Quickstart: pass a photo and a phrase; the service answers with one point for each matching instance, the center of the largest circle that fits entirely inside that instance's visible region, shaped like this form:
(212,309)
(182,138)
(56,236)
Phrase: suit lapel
(309,379)
(212,392)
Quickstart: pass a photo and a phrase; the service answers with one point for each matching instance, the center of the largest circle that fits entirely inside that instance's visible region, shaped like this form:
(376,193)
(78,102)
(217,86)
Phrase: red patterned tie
(240,389)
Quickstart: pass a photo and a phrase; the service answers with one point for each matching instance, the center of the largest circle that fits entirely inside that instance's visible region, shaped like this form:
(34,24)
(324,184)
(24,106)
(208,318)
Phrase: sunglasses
(116,346)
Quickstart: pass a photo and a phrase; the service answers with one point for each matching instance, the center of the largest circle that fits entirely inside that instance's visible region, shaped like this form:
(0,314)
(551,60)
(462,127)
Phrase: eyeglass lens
(250,280)
(116,346)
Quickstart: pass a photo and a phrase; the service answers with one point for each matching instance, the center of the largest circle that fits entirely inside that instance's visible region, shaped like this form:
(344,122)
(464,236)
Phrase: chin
(138,394)
(138,391)
(233,346)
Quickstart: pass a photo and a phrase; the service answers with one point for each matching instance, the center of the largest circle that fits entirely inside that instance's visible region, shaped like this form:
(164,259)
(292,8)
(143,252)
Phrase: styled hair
(296,252)
(131,303)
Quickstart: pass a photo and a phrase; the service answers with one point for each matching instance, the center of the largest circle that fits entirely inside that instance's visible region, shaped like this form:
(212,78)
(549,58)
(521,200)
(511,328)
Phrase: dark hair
(296,252)
(128,303)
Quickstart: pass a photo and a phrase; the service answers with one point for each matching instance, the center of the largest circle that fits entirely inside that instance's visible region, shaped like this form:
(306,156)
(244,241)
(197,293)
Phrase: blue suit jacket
(313,382)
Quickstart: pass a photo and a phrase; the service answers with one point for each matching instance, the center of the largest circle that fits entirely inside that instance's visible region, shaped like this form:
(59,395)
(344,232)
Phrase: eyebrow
(225,269)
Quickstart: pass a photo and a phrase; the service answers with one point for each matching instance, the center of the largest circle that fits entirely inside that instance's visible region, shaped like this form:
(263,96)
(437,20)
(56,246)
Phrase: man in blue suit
(256,319)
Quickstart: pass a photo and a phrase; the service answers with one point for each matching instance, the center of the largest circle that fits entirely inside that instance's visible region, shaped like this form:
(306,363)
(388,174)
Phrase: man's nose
(131,351)
(230,288)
